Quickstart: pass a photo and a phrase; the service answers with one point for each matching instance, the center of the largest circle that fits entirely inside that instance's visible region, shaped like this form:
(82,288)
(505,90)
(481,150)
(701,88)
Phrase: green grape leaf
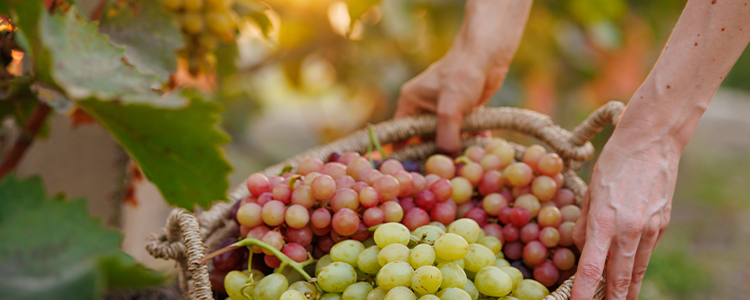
(50,247)
(149,34)
(88,8)
(177,149)
(122,271)
(87,65)
(26,15)
(357,8)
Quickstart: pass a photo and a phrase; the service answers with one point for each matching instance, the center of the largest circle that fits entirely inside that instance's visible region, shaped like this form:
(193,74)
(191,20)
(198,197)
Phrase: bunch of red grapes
(519,202)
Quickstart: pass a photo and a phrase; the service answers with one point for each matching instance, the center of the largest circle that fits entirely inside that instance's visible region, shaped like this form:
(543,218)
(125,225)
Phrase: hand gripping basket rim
(186,238)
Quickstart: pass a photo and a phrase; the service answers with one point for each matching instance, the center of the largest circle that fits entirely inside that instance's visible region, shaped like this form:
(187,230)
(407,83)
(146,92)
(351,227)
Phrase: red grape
(534,252)
(559,180)
(570,213)
(493,203)
(519,216)
(415,218)
(345,182)
(302,236)
(297,216)
(504,215)
(321,218)
(472,171)
(564,259)
(506,153)
(359,186)
(388,188)
(491,162)
(321,231)
(345,222)
(532,155)
(546,273)
(258,184)
(358,166)
(337,237)
(231,260)
(295,251)
(513,250)
(550,164)
(566,234)
(430,179)
(393,211)
(549,237)
(373,216)
(362,233)
(273,213)
(282,193)
(347,157)
(530,203)
(272,261)
(419,183)
(510,233)
(325,243)
(564,197)
(464,208)
(407,204)
(276,180)
(405,181)
(345,198)
(274,239)
(249,215)
(302,195)
(491,182)
(544,188)
(244,230)
(474,153)
(425,200)
(310,177)
(334,169)
(549,216)
(369,197)
(264,198)
(308,165)
(370,176)
(493,229)
(440,165)
(442,189)
(566,274)
(529,232)
(520,191)
(451,203)
(323,187)
(477,214)
(333,157)
(518,174)
(443,213)
(390,166)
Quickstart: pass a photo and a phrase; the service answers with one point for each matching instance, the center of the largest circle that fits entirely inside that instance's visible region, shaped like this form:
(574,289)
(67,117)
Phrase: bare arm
(471,71)
(628,204)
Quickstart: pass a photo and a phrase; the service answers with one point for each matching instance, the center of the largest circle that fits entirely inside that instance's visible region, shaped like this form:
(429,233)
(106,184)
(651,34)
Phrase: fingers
(591,265)
(579,230)
(621,258)
(450,116)
(646,247)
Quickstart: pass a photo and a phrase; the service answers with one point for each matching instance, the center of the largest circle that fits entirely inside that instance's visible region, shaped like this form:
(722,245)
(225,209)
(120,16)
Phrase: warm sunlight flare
(338,15)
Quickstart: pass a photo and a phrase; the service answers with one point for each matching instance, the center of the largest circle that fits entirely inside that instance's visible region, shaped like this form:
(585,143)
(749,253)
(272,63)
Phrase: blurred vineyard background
(305,73)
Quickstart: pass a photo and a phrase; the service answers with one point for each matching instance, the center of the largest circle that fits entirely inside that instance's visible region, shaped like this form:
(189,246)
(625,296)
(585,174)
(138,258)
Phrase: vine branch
(30,130)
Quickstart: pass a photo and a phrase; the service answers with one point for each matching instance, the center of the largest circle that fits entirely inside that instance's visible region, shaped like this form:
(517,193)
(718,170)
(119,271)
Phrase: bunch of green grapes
(205,23)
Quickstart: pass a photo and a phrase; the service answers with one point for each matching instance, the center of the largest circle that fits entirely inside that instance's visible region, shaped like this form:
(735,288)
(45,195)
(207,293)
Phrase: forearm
(703,47)
(492,29)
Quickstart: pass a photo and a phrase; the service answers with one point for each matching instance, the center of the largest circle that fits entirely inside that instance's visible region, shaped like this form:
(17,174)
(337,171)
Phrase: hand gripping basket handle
(182,238)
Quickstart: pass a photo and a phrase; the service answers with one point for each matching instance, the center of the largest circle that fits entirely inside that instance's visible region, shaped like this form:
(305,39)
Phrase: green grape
(322,262)
(529,289)
(367,261)
(193,5)
(291,274)
(393,252)
(391,233)
(500,255)
(208,41)
(470,275)
(442,262)
(451,246)
(377,294)
(515,275)
(397,273)
(257,275)
(335,277)
(492,281)
(428,232)
(219,5)
(471,290)
(453,294)
(357,291)
(369,242)
(173,5)
(221,24)
(329,296)
(305,288)
(466,228)
(192,23)
(453,276)
(493,243)
(347,251)
(233,283)
(291,295)
(361,274)
(439,225)
(501,263)
(422,255)
(507,298)
(400,293)
(270,287)
(426,280)
(478,257)
(429,297)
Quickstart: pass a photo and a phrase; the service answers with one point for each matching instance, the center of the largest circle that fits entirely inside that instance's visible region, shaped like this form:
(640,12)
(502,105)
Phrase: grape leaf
(149,34)
(25,16)
(52,249)
(177,149)
(87,65)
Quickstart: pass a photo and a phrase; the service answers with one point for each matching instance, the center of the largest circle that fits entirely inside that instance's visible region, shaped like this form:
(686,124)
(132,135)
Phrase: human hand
(624,213)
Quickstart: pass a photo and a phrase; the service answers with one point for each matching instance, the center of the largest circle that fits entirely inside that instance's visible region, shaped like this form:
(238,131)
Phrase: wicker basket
(186,238)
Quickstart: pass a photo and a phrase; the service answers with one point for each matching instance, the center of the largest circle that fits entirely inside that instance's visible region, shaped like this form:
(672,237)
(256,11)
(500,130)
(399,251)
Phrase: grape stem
(374,141)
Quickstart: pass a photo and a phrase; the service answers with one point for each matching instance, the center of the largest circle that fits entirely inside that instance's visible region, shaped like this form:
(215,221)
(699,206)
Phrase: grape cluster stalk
(480,225)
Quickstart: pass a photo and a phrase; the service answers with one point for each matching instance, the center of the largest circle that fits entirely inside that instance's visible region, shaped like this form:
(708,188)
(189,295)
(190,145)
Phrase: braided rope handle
(183,238)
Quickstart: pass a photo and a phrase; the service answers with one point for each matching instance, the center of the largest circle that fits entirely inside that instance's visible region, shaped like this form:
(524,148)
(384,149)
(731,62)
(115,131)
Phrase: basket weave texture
(186,237)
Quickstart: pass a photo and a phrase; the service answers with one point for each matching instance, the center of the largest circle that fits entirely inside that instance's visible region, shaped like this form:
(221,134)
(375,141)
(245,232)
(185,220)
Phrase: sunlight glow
(338,15)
